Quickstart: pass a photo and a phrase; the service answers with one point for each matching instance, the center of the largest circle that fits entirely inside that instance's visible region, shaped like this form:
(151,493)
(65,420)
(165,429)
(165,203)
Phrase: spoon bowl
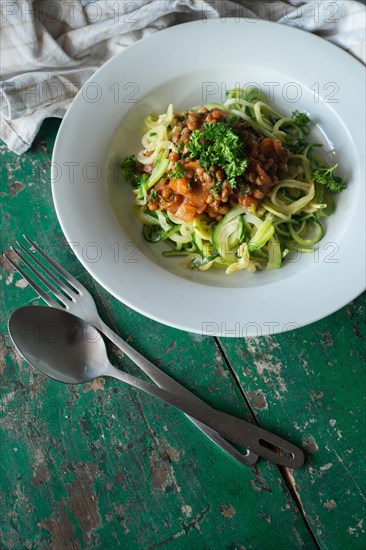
(59,344)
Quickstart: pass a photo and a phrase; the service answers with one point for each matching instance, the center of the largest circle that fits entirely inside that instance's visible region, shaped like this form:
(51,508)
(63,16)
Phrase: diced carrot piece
(173,206)
(161,185)
(264,176)
(201,209)
(278,146)
(198,196)
(180,186)
(186,212)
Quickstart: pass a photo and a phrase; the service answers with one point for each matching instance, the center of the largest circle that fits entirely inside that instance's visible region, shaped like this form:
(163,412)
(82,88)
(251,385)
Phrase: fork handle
(168,383)
(235,429)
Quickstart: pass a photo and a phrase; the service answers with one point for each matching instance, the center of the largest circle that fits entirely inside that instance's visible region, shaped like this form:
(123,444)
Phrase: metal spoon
(67,349)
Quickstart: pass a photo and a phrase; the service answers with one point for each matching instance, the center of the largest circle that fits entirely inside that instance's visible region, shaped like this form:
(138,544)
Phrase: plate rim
(124,299)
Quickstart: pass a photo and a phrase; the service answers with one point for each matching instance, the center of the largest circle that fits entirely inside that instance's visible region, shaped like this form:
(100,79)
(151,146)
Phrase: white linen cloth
(49,48)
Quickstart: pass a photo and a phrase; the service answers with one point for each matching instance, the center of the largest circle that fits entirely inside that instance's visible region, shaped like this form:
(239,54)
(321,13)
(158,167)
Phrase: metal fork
(76,299)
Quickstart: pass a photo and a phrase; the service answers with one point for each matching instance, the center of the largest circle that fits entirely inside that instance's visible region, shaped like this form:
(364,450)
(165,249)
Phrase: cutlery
(67,349)
(72,296)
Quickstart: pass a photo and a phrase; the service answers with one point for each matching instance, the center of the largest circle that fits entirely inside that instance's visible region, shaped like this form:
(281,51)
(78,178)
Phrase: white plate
(188,65)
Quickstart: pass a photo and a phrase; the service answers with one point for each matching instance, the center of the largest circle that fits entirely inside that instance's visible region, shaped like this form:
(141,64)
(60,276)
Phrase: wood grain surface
(102,466)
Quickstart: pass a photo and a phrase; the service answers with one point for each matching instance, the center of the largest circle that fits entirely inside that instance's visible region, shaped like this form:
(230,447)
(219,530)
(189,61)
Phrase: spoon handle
(257,439)
(168,383)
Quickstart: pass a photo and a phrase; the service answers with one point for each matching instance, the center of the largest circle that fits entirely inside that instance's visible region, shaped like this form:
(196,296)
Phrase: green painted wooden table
(104,466)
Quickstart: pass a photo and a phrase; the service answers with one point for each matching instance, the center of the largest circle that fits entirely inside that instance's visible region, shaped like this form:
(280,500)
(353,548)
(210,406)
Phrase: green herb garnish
(295,145)
(323,174)
(219,145)
(130,171)
(153,195)
(302,120)
(178,172)
(234,119)
(296,142)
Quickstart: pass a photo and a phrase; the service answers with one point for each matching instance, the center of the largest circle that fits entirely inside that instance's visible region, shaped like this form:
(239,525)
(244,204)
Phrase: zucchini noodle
(250,232)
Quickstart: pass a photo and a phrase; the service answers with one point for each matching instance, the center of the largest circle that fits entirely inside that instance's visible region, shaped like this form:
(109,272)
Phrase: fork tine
(69,291)
(65,274)
(49,301)
(49,285)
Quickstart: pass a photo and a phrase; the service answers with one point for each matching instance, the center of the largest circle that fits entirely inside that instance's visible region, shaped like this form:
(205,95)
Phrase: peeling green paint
(103,466)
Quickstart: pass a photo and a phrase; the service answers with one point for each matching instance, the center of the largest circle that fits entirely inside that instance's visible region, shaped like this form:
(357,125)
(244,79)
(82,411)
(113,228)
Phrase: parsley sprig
(296,142)
(217,144)
(302,120)
(295,146)
(178,172)
(130,171)
(324,175)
